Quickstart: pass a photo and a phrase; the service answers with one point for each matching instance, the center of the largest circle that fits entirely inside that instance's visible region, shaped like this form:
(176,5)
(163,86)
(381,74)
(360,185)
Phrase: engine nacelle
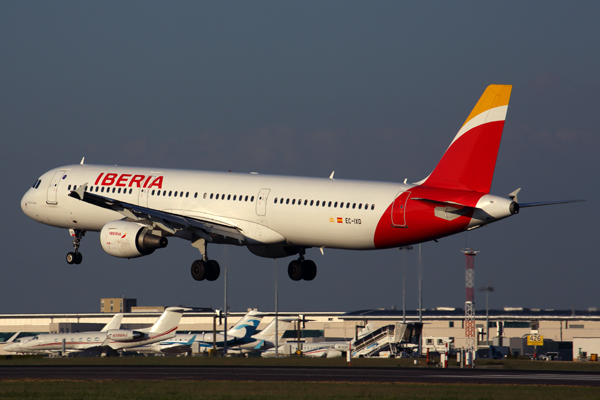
(273,251)
(333,353)
(124,335)
(130,239)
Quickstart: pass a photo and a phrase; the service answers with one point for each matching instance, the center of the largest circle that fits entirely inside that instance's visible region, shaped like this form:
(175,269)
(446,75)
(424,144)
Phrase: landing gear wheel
(309,270)
(214,270)
(71,257)
(295,270)
(199,270)
(78,258)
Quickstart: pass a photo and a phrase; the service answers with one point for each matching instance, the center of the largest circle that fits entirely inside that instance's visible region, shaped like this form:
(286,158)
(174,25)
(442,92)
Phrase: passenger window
(188,193)
(211,196)
(240,197)
(234,197)
(275,200)
(96,189)
(69,188)
(335,204)
(102,190)
(366,206)
(223,196)
(152,192)
(287,201)
(360,206)
(130,190)
(305,202)
(228,197)
(347,205)
(372,206)
(252,198)
(170,192)
(353,206)
(246,198)
(114,189)
(205,196)
(293,201)
(175,194)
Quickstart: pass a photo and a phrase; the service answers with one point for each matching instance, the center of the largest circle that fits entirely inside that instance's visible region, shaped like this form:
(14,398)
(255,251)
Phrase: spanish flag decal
(340,220)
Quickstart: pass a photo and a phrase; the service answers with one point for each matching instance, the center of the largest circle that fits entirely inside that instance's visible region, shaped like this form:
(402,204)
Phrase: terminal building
(507,327)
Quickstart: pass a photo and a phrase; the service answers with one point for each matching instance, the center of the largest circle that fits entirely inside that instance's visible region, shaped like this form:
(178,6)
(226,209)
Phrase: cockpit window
(37,184)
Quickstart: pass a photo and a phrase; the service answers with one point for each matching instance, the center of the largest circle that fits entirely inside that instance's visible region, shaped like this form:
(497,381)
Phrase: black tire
(78,258)
(199,270)
(214,270)
(71,257)
(295,270)
(309,270)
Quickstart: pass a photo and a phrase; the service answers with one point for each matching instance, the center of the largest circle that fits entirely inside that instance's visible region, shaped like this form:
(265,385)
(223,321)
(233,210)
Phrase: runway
(302,374)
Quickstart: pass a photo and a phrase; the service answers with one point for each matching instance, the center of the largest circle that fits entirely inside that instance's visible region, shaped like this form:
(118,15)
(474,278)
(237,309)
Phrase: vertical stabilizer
(246,326)
(268,334)
(470,160)
(168,321)
(114,323)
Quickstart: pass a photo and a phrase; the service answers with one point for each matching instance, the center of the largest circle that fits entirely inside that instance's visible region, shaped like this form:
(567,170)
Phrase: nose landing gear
(75,256)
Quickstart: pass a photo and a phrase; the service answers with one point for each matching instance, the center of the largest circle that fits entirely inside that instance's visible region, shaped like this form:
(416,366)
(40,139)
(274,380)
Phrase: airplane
(313,350)
(110,337)
(239,334)
(137,209)
(19,343)
(265,339)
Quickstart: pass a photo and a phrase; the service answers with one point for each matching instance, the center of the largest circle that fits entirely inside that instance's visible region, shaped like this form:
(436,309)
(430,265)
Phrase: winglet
(78,193)
(12,338)
(513,195)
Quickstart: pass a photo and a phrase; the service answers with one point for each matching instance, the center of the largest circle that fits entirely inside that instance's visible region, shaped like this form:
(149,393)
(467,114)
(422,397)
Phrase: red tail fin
(469,162)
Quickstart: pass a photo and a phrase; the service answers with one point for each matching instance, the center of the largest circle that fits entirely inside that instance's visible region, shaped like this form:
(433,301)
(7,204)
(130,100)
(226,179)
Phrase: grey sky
(372,90)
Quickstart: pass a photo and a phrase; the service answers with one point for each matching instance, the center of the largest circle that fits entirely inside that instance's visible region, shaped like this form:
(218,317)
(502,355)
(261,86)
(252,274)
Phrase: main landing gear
(204,268)
(302,269)
(75,256)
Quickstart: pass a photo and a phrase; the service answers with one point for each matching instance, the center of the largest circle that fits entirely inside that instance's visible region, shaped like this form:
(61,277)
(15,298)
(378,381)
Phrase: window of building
(450,324)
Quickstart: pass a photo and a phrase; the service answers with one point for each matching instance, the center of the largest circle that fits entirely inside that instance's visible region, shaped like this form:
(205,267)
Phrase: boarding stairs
(386,338)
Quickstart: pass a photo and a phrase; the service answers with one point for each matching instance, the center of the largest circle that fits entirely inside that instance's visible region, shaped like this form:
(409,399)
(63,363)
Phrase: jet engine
(273,251)
(130,239)
(333,353)
(124,335)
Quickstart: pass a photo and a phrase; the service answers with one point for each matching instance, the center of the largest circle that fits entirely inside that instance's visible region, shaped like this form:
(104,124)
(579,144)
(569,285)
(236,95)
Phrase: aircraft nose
(28,204)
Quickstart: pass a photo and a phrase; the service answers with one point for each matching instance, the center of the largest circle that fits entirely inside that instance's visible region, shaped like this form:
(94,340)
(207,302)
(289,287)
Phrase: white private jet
(136,209)
(237,335)
(110,337)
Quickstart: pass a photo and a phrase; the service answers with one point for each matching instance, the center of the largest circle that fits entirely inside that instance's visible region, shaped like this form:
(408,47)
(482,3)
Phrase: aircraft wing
(165,221)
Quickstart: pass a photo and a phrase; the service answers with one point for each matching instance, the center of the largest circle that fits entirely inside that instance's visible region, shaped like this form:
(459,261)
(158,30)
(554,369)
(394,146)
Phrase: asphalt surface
(299,374)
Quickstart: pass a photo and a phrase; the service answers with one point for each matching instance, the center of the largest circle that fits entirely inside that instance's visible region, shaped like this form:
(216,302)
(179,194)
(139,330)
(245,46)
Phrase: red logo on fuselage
(129,180)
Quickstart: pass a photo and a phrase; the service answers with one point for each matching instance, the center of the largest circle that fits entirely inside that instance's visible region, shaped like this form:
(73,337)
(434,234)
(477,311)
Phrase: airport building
(508,327)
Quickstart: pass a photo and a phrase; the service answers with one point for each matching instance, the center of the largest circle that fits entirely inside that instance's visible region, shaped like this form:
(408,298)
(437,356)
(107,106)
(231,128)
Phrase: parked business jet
(137,209)
(110,337)
(238,334)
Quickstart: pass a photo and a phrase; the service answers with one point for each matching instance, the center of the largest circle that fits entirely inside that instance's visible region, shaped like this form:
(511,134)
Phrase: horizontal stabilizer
(548,203)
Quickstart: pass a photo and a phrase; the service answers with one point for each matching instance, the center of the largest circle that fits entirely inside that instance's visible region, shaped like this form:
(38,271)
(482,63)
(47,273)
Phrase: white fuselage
(268,209)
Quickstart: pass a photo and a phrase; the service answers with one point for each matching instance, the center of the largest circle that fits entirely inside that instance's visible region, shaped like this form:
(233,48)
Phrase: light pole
(404,281)
(487,289)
